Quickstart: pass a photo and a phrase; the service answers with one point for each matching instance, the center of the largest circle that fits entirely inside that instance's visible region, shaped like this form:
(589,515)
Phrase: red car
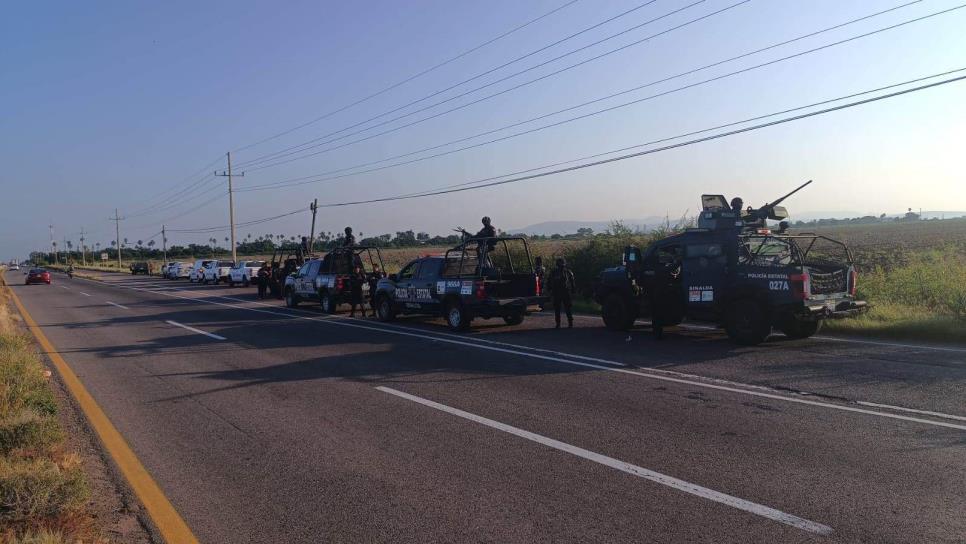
(37,275)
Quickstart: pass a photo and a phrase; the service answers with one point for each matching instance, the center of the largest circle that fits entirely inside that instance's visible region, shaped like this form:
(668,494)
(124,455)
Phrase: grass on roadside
(43,488)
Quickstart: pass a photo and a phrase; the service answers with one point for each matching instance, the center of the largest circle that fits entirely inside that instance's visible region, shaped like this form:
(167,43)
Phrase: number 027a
(778,285)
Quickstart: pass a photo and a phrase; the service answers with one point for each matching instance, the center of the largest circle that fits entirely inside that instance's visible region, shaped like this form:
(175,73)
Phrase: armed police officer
(350,239)
(488,231)
(560,283)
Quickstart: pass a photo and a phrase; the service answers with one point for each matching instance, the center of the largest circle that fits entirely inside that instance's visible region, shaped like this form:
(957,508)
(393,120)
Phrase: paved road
(264,424)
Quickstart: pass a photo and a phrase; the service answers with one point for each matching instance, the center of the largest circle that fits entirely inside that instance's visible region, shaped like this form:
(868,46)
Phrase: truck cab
(481,278)
(326,280)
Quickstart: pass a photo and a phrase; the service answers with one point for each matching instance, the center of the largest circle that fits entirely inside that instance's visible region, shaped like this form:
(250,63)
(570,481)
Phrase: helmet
(348,230)
(561,261)
(486,220)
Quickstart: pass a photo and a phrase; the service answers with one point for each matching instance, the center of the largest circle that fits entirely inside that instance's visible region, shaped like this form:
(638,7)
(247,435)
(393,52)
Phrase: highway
(267,424)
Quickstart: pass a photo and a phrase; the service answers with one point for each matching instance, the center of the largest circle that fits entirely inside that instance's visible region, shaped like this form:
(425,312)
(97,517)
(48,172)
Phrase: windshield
(766,251)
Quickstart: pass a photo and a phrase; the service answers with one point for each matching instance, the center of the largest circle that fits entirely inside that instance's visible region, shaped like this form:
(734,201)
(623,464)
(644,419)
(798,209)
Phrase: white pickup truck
(244,272)
(216,271)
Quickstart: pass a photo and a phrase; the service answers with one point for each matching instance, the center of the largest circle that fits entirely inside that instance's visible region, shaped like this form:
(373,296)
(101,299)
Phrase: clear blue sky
(109,104)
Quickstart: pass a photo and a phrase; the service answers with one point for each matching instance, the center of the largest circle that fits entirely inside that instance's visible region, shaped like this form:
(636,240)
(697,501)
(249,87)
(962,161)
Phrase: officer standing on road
(374,278)
(356,280)
(264,273)
(561,284)
(350,239)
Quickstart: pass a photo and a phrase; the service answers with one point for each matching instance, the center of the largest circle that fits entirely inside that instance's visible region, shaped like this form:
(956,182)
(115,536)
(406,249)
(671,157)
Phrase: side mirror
(393,277)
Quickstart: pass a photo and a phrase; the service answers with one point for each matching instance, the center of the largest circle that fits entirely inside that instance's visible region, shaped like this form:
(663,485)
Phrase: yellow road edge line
(170,524)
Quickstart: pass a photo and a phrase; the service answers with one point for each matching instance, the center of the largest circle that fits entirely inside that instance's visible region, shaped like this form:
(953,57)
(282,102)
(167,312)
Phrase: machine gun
(718,214)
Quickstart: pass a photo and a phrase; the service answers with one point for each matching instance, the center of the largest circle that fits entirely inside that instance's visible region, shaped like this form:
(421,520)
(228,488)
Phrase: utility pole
(83,250)
(164,244)
(52,244)
(231,206)
(117,232)
(66,251)
(314,206)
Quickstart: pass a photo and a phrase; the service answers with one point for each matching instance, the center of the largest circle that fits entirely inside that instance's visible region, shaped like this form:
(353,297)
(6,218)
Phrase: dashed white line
(641,472)
(83,293)
(192,329)
(638,372)
(118,305)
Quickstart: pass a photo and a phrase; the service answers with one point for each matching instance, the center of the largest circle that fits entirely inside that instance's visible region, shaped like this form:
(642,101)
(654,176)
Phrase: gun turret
(772,210)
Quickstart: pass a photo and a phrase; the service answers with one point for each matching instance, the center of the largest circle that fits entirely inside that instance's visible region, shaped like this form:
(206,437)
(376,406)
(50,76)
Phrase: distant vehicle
(197,270)
(216,271)
(181,270)
(326,280)
(168,269)
(14,266)
(243,272)
(140,268)
(481,278)
(735,272)
(37,275)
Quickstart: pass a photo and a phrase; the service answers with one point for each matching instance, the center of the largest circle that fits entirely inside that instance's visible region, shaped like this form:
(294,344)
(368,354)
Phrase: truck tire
(384,309)
(327,302)
(291,299)
(797,329)
(514,319)
(747,323)
(457,317)
(616,313)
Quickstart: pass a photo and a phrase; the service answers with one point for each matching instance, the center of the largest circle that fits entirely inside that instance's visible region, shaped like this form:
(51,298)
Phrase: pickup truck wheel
(456,317)
(512,320)
(796,328)
(616,313)
(327,302)
(384,309)
(291,300)
(746,322)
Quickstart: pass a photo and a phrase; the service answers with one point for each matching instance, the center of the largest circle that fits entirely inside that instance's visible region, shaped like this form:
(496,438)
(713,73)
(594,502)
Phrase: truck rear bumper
(508,306)
(838,310)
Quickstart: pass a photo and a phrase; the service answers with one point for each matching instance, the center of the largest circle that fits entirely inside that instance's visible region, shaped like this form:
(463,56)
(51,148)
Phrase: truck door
(306,279)
(405,293)
(703,271)
(425,283)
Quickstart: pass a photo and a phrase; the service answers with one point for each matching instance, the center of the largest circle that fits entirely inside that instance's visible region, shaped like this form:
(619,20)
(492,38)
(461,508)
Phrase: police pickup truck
(483,277)
(326,280)
(734,271)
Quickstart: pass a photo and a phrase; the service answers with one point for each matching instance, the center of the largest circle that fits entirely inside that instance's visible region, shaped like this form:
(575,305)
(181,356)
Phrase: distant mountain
(548,228)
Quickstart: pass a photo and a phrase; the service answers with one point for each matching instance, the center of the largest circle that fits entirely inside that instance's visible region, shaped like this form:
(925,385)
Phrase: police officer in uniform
(350,239)
(356,280)
(264,275)
(560,283)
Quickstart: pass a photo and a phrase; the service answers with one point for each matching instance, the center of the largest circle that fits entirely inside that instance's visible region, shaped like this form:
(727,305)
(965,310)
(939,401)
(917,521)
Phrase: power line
(189,182)
(337,174)
(456,189)
(411,78)
(201,230)
(281,152)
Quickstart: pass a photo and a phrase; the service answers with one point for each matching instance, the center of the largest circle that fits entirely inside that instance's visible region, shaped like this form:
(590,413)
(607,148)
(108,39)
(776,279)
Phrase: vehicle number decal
(778,285)
(441,287)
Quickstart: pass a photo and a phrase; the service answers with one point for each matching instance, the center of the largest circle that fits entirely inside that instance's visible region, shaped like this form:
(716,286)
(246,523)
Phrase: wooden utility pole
(117,232)
(314,206)
(231,206)
(83,250)
(53,245)
(164,244)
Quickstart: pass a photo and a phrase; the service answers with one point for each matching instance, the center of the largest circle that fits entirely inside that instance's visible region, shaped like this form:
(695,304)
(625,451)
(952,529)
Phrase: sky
(133,105)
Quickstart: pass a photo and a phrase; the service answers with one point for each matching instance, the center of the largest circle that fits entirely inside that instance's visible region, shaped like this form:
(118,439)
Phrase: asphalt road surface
(267,424)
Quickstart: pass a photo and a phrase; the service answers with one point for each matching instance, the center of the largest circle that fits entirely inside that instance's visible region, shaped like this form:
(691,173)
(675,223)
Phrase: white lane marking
(62,287)
(83,293)
(913,410)
(118,305)
(647,474)
(192,329)
(642,373)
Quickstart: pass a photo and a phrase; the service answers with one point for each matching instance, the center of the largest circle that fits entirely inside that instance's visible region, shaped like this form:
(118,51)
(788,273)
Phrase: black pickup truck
(483,277)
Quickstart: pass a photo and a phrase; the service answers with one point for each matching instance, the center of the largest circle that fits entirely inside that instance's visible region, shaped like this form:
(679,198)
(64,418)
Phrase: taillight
(480,290)
(800,285)
(339,284)
(536,281)
(853,281)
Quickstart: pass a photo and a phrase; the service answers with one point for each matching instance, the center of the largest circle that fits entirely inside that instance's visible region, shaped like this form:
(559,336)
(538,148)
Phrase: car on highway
(197,270)
(140,268)
(180,270)
(168,269)
(37,275)
(481,278)
(216,271)
(15,266)
(243,272)
(326,280)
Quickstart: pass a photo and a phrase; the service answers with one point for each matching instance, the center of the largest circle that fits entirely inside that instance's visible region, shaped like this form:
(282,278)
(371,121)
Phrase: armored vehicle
(484,278)
(735,271)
